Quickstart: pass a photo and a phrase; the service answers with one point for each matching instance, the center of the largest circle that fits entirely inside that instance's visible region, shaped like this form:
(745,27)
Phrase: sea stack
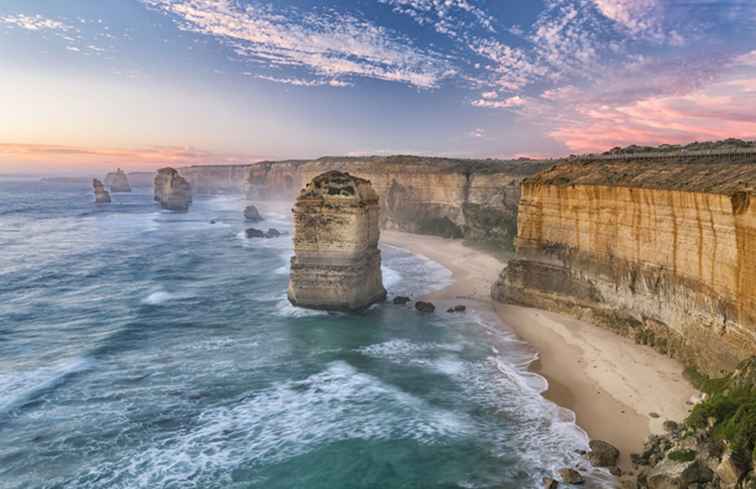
(102,196)
(118,181)
(336,263)
(172,191)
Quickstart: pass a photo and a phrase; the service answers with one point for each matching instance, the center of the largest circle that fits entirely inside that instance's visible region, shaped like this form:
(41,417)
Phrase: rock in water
(172,191)
(118,181)
(571,476)
(254,233)
(603,454)
(273,233)
(252,214)
(400,300)
(102,196)
(424,306)
(336,263)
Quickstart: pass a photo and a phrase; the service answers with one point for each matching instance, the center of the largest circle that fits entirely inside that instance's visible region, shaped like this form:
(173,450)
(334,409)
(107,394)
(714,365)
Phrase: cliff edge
(660,251)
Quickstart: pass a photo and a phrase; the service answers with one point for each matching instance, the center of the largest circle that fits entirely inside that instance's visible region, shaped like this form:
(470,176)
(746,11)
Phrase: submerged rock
(425,306)
(401,300)
(172,191)
(254,233)
(118,181)
(252,214)
(273,233)
(336,263)
(102,196)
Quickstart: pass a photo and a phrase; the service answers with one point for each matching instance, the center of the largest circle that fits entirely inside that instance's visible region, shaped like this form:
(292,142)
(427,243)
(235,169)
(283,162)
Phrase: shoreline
(611,384)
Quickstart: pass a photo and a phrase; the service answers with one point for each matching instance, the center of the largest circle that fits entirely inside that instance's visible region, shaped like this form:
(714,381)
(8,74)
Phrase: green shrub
(682,455)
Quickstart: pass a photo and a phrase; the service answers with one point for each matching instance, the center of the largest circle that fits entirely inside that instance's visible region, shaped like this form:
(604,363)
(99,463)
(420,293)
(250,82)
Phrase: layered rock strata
(474,199)
(118,181)
(336,263)
(172,191)
(102,196)
(661,252)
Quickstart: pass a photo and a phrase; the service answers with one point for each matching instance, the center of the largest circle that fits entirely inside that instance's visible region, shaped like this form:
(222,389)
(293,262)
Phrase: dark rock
(450,310)
(460,308)
(654,415)
(401,300)
(549,483)
(254,233)
(213,221)
(571,476)
(102,196)
(603,454)
(425,306)
(615,471)
(672,475)
(252,214)
(670,426)
(273,233)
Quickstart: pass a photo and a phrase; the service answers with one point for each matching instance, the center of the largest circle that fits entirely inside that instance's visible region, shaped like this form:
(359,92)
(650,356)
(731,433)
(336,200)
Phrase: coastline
(620,392)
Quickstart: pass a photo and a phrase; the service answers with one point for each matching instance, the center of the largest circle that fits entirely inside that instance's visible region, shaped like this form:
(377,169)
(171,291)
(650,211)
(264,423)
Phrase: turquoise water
(145,349)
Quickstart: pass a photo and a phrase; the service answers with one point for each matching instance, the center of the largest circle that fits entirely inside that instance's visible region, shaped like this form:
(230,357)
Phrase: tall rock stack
(337,263)
(172,191)
(102,196)
(118,181)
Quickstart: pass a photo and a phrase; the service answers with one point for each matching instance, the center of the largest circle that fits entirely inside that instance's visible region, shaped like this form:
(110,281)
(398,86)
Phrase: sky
(139,84)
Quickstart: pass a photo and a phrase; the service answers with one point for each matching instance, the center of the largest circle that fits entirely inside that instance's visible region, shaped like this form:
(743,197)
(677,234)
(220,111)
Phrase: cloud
(34,23)
(667,109)
(326,43)
(142,157)
(509,103)
(446,16)
(301,82)
(477,133)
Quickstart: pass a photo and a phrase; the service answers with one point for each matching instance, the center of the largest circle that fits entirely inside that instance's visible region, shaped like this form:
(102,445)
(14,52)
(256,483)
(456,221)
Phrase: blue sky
(148,82)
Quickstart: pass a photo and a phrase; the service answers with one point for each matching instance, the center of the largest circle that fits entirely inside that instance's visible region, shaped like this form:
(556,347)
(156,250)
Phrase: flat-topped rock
(336,263)
(118,181)
(172,191)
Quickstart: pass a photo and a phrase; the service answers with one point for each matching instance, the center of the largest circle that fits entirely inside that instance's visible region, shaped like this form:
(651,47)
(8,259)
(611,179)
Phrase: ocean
(141,348)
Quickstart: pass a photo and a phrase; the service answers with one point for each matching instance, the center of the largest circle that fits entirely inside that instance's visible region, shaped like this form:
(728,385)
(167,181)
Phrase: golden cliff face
(672,267)
(447,197)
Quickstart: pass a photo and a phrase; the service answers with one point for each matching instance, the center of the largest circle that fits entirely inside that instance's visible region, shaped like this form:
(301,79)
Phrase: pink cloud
(50,156)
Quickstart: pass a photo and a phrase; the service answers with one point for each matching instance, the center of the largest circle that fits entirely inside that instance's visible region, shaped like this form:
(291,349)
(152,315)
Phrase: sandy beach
(620,392)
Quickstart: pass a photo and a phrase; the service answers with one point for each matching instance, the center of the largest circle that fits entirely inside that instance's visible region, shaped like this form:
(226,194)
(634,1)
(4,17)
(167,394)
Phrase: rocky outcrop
(252,214)
(475,199)
(336,263)
(172,191)
(664,253)
(118,181)
(102,196)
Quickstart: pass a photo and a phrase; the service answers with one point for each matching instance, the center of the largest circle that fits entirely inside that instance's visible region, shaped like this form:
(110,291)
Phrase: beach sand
(620,392)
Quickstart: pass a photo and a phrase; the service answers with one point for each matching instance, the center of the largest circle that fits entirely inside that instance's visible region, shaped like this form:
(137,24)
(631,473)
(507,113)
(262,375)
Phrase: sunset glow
(144,83)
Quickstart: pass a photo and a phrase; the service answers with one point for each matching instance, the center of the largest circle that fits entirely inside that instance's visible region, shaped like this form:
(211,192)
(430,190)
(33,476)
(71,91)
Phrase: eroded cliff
(171,190)
(664,252)
(476,199)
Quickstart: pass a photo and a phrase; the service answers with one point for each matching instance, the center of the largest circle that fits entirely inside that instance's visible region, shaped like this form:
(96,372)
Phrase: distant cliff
(661,251)
(212,179)
(475,199)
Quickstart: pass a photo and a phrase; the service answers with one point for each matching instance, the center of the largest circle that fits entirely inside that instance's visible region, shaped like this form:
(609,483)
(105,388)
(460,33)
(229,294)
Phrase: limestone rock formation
(660,251)
(118,181)
(102,196)
(336,263)
(172,191)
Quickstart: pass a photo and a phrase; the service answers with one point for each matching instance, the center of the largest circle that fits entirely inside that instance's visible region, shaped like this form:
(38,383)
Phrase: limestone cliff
(118,181)
(336,263)
(664,252)
(172,190)
(476,199)
(102,196)
(215,179)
